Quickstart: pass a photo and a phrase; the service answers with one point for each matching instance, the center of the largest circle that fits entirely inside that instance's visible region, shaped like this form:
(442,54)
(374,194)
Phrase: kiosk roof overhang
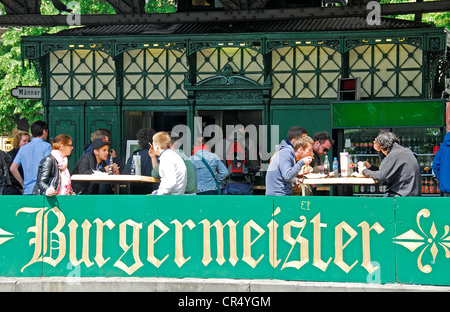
(27,13)
(275,26)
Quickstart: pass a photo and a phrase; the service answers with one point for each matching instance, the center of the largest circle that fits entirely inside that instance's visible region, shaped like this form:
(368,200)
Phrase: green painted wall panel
(313,119)
(338,219)
(14,252)
(361,114)
(423,241)
(203,209)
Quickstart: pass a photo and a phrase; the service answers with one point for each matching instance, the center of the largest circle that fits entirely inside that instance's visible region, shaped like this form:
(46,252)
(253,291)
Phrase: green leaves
(160,6)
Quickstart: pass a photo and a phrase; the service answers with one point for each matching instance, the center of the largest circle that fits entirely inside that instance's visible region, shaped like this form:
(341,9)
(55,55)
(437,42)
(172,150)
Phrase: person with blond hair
(53,176)
(172,168)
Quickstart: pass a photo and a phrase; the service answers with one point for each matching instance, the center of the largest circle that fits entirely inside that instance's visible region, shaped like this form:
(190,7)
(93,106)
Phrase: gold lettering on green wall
(135,244)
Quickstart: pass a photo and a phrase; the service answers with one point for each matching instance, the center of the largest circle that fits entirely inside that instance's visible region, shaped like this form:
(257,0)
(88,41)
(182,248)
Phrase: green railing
(342,239)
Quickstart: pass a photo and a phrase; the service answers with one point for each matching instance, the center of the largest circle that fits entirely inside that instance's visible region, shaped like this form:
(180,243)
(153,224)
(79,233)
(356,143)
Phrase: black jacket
(87,164)
(48,175)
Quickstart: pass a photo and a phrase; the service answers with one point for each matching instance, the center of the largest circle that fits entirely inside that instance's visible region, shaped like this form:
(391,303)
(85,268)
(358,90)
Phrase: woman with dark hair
(145,140)
(53,175)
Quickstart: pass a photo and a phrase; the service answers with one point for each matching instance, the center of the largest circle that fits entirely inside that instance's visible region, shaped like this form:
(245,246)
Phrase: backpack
(236,161)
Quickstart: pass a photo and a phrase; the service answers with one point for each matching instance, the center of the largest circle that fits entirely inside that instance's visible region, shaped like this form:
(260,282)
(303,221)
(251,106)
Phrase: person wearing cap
(89,163)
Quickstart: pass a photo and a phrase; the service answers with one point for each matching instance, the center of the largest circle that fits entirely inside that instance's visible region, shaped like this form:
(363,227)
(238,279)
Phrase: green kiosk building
(282,69)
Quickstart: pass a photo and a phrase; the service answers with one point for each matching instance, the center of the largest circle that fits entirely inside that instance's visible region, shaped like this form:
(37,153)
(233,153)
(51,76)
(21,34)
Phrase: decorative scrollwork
(412,241)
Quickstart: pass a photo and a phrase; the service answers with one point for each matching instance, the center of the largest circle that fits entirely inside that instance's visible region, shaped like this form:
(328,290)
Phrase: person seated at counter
(145,140)
(287,164)
(209,169)
(293,133)
(191,175)
(377,148)
(322,144)
(172,169)
(91,162)
(399,170)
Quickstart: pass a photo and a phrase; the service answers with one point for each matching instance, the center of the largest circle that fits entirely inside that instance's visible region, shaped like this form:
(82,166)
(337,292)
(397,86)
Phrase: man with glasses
(322,144)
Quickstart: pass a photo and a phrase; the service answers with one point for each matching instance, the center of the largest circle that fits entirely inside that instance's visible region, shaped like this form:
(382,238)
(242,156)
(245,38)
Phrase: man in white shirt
(172,169)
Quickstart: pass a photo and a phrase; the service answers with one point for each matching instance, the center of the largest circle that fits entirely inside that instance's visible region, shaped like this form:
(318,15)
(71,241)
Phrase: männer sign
(341,239)
(27,92)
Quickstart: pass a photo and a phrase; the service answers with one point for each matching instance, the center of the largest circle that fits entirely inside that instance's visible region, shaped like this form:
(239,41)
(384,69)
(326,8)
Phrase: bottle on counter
(344,163)
(137,164)
(351,166)
(335,167)
(326,166)
(133,167)
(111,165)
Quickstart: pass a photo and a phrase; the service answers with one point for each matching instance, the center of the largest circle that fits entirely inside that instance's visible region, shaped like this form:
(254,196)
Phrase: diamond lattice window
(82,75)
(305,72)
(387,70)
(154,74)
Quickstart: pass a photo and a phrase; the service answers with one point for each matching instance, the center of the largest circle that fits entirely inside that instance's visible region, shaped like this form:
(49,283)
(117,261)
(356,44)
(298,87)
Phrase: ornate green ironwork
(305,72)
(388,70)
(154,74)
(210,62)
(81,75)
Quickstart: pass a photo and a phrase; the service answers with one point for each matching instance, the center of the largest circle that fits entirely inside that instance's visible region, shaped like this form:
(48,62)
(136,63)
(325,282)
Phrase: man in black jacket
(88,163)
(399,170)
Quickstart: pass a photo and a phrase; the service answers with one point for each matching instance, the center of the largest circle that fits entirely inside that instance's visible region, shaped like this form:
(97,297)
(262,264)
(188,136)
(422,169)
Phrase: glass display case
(422,141)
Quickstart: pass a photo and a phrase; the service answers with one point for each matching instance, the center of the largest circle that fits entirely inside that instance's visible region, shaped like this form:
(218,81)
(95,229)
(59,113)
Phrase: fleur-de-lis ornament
(411,240)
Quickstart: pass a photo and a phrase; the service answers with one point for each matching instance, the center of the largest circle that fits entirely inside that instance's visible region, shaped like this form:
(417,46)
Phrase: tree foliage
(441,19)
(13,73)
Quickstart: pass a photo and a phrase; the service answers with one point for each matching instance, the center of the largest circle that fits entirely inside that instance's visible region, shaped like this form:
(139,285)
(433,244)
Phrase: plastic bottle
(335,167)
(351,165)
(111,165)
(344,163)
(137,164)
(133,167)
(326,166)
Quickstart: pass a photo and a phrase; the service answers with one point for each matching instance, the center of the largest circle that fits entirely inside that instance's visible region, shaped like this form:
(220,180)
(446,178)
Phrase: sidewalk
(153,284)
